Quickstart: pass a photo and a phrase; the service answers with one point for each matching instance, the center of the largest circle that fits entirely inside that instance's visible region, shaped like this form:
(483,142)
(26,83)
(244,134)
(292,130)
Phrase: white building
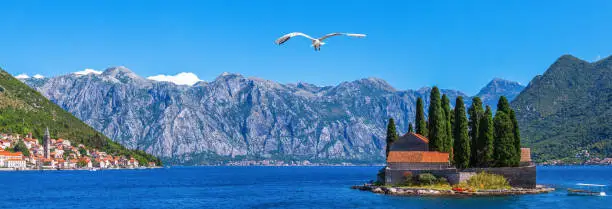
(12,160)
(15,163)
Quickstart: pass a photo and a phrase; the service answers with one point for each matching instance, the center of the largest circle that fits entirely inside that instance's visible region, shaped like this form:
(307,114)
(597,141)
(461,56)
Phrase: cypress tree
(476,112)
(420,121)
(446,108)
(391,135)
(452,119)
(504,151)
(410,129)
(461,148)
(485,139)
(503,105)
(517,138)
(436,124)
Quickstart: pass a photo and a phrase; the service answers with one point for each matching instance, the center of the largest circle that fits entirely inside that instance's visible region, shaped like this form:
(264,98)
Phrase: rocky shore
(402,191)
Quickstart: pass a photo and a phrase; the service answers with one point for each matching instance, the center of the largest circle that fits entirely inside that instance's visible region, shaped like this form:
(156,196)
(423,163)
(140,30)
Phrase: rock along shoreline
(402,191)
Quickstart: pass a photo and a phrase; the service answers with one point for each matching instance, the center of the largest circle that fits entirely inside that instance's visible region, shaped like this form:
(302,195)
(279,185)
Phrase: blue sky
(456,44)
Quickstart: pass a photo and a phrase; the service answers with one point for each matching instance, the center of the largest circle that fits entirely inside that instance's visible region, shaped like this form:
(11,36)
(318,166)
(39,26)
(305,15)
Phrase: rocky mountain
(568,109)
(234,117)
(24,110)
(499,87)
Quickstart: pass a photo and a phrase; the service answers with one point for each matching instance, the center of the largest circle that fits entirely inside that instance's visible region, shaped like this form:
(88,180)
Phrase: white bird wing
(286,37)
(346,34)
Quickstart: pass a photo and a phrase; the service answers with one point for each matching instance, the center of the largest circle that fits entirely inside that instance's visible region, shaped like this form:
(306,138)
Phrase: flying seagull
(316,42)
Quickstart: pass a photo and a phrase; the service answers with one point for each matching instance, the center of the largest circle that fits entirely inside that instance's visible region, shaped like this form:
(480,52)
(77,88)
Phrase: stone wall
(394,177)
(524,177)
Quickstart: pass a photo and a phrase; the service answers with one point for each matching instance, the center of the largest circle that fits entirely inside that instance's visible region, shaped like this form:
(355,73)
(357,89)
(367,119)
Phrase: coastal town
(28,153)
(582,157)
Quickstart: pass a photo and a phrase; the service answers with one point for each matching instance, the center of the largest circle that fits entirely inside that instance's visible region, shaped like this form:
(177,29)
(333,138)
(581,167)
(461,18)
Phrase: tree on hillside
(461,148)
(436,123)
(410,129)
(21,147)
(391,135)
(446,108)
(517,137)
(475,112)
(484,147)
(504,151)
(420,121)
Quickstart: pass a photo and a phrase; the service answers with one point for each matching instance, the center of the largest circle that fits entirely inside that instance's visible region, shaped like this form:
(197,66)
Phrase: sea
(266,187)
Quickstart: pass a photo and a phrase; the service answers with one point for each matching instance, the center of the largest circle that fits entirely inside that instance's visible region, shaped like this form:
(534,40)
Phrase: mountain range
(234,117)
(568,109)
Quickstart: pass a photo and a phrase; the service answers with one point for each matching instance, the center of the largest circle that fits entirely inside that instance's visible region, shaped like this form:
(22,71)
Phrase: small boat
(587,190)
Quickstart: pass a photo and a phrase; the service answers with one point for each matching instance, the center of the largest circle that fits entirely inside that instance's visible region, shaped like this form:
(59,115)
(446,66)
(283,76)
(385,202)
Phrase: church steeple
(47,143)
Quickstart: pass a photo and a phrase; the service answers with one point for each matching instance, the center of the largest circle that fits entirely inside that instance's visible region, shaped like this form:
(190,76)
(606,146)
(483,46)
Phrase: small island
(479,156)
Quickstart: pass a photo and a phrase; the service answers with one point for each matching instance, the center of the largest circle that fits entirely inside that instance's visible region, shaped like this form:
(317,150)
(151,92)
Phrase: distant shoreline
(87,169)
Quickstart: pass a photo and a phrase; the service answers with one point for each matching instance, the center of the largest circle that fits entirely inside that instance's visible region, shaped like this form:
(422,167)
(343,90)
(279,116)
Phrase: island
(481,155)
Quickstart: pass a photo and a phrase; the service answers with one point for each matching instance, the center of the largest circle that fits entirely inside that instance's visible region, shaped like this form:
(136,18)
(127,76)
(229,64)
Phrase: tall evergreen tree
(436,123)
(461,148)
(452,119)
(391,135)
(503,105)
(446,108)
(517,138)
(504,151)
(420,121)
(476,112)
(484,148)
(410,129)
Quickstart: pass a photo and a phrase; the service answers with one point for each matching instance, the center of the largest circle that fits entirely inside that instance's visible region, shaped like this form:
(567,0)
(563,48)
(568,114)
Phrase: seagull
(316,42)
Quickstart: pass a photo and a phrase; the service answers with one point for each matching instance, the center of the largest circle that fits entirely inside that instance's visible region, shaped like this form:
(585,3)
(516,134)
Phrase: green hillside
(568,109)
(24,110)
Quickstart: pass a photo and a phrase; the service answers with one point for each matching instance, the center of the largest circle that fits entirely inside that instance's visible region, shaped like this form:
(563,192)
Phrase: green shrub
(442,180)
(408,178)
(488,181)
(427,178)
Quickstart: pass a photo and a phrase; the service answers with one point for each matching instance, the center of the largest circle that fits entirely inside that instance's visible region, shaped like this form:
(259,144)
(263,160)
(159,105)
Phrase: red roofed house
(12,160)
(410,153)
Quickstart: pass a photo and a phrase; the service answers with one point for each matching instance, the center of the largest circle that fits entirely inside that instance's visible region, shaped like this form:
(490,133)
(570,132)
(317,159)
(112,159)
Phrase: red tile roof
(7,153)
(417,157)
(421,137)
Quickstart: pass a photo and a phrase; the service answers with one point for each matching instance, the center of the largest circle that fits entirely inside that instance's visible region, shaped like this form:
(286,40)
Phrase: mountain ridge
(566,109)
(234,117)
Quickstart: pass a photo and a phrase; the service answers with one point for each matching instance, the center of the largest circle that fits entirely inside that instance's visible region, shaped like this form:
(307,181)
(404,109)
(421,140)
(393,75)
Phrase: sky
(452,44)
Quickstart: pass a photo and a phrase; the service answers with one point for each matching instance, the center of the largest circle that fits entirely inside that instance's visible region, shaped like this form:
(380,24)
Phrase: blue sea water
(264,187)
